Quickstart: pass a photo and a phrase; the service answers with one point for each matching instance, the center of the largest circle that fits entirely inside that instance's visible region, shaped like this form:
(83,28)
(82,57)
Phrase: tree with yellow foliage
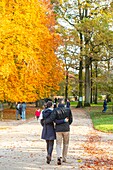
(29,68)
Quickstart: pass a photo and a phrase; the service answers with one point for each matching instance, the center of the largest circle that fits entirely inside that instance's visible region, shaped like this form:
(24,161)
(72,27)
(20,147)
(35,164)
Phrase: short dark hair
(49,104)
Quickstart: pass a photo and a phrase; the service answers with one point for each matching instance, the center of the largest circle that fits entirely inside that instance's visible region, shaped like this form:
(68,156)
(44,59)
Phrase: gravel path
(22,149)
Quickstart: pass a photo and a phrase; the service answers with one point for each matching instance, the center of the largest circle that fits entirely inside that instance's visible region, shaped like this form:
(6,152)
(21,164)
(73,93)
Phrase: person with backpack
(48,131)
(18,107)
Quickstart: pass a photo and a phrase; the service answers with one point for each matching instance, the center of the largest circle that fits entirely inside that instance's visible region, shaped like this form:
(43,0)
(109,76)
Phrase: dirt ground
(21,146)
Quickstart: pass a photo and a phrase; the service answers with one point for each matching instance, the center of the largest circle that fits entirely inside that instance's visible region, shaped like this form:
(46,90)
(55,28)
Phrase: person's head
(45,105)
(61,101)
(38,109)
(49,104)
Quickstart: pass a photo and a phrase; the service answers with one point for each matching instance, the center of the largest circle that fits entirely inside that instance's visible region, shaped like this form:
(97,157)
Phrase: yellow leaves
(79,160)
(61,1)
(29,67)
(2,6)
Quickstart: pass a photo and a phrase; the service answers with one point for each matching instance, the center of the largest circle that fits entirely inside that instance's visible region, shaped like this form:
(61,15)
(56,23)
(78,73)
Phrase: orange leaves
(97,150)
(29,66)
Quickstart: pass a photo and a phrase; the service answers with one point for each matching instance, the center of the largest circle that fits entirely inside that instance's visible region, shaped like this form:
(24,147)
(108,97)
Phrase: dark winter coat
(68,104)
(60,113)
(48,132)
(105,103)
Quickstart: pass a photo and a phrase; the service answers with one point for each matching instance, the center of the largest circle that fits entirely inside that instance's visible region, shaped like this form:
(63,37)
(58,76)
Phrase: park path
(22,149)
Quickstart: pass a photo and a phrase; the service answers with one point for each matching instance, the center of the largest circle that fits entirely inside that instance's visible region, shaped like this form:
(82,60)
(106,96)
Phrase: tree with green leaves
(90,21)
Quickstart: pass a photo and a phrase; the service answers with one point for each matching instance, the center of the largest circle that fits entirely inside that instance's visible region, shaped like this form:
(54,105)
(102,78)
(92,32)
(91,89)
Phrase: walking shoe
(64,160)
(48,159)
(59,161)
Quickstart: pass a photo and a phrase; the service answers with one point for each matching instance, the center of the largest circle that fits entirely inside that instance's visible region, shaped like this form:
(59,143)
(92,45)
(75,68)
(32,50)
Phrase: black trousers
(50,144)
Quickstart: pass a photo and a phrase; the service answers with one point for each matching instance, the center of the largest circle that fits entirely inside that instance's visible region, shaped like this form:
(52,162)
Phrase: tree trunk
(87,65)
(91,99)
(80,101)
(66,86)
(87,82)
(95,100)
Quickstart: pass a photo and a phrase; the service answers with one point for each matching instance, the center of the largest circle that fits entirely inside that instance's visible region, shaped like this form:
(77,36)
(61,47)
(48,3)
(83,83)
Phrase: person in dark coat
(104,105)
(68,103)
(18,106)
(48,131)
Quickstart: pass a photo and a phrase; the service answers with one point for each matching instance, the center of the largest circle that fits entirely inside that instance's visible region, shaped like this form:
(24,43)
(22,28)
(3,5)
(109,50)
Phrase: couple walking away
(61,117)
(21,110)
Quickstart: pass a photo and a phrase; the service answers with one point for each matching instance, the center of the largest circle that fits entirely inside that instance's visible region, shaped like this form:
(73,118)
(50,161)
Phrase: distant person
(18,110)
(104,105)
(37,113)
(54,105)
(62,130)
(55,100)
(1,111)
(68,103)
(23,107)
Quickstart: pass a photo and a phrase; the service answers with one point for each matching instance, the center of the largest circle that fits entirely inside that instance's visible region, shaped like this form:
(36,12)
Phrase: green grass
(101,121)
(101,104)
(74,103)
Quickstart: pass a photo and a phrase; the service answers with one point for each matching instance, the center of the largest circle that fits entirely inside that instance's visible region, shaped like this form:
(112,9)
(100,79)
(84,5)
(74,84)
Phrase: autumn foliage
(29,68)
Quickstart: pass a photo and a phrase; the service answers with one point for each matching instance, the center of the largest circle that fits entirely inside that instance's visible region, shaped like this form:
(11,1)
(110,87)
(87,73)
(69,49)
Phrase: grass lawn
(101,121)
(74,103)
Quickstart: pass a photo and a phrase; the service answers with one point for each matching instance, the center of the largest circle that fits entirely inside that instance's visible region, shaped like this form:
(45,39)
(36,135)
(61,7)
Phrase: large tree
(29,68)
(91,22)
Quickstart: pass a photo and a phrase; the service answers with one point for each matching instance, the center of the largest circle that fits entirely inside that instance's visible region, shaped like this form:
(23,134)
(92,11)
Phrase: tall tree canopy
(29,68)
(90,22)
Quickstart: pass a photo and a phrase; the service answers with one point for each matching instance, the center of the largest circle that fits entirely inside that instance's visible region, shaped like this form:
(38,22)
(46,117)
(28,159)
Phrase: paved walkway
(22,149)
